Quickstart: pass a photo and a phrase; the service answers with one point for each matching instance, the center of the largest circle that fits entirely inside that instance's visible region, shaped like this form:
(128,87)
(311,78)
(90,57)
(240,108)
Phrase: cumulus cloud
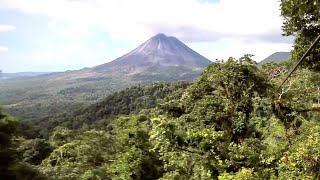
(188,20)
(79,52)
(76,31)
(52,25)
(3,49)
(6,28)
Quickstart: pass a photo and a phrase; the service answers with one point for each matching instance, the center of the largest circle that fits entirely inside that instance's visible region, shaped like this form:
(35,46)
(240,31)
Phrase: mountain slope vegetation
(129,101)
(229,124)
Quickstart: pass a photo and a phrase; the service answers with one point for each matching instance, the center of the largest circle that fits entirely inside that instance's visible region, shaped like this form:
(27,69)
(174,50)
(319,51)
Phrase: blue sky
(59,35)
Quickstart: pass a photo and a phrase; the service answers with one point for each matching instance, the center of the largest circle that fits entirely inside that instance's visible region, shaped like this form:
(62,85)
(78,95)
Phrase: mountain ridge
(276,57)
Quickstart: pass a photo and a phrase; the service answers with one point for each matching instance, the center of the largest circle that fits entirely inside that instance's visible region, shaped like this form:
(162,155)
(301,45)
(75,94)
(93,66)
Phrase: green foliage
(229,124)
(121,154)
(301,160)
(61,136)
(23,171)
(208,130)
(133,159)
(129,101)
(79,158)
(301,19)
(36,98)
(7,154)
(11,166)
(243,174)
(34,150)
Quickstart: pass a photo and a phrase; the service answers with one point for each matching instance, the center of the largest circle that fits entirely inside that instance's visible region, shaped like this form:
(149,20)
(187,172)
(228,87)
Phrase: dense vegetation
(34,98)
(12,165)
(234,122)
(301,19)
(129,101)
(230,124)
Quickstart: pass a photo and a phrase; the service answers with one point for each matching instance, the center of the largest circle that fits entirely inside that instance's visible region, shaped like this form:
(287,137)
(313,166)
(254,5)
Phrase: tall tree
(209,130)
(7,128)
(11,166)
(302,20)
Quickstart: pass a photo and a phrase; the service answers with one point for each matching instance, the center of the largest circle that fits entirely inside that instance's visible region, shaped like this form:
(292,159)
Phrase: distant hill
(276,57)
(160,58)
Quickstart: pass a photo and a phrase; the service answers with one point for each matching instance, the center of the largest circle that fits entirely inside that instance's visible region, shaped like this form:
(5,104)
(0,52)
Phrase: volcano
(160,55)
(160,58)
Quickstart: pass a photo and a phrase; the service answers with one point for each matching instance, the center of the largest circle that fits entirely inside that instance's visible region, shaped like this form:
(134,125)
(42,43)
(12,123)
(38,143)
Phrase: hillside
(276,57)
(98,115)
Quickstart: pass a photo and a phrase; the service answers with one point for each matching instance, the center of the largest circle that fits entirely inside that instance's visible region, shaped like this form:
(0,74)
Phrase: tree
(123,153)
(7,128)
(81,158)
(33,151)
(11,166)
(133,158)
(302,20)
(292,134)
(302,159)
(60,136)
(209,130)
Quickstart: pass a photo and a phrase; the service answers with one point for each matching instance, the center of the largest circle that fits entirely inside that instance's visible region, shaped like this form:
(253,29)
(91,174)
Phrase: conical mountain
(160,58)
(159,54)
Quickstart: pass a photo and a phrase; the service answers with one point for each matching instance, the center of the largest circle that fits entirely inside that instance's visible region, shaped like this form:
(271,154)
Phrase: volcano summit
(162,56)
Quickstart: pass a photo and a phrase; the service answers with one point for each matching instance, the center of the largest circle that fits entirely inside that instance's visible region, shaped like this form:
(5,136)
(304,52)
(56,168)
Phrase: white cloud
(79,52)
(67,56)
(52,25)
(102,45)
(3,49)
(6,28)
(136,20)
(76,31)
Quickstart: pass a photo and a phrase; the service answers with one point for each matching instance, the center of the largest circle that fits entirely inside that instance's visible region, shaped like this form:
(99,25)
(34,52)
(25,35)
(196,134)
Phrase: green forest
(236,121)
